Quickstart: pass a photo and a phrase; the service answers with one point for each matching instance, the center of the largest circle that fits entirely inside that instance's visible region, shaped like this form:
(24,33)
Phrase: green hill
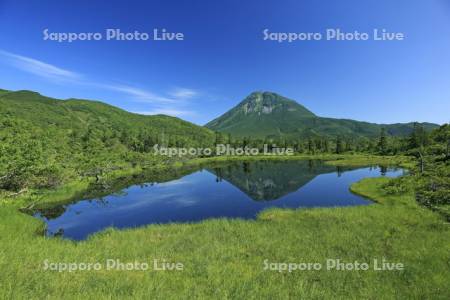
(266,114)
(80,115)
(45,142)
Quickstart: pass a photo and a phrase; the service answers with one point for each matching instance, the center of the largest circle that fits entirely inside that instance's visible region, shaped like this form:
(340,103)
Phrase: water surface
(231,190)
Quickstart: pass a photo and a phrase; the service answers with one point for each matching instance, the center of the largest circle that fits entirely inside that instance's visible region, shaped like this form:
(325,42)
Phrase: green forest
(51,150)
(46,143)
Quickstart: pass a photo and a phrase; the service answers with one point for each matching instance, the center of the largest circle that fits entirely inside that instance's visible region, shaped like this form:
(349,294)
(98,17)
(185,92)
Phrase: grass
(348,160)
(225,258)
(364,160)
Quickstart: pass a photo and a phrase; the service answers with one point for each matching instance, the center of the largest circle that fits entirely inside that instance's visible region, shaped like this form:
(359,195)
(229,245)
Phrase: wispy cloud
(168,111)
(176,96)
(38,67)
(183,93)
(139,94)
(173,104)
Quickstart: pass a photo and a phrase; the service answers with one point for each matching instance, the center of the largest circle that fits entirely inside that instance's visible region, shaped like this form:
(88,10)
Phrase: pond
(227,190)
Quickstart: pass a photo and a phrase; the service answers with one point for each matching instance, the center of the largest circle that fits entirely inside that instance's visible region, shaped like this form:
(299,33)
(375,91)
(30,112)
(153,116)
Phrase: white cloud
(183,93)
(140,94)
(167,111)
(38,67)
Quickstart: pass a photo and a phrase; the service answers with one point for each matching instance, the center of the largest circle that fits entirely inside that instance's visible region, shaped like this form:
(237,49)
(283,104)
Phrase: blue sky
(223,56)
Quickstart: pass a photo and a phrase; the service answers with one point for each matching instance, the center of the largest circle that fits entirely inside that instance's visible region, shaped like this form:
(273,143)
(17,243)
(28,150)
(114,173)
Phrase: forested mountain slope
(45,141)
(267,114)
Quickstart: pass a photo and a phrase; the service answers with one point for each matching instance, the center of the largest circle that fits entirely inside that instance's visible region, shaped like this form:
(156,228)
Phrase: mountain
(267,114)
(79,116)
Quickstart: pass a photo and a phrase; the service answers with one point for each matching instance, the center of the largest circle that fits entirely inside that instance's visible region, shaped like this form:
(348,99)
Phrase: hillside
(76,114)
(45,142)
(267,114)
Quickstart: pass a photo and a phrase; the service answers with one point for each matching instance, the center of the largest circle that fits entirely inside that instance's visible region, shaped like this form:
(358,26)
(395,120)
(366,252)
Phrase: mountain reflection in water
(231,190)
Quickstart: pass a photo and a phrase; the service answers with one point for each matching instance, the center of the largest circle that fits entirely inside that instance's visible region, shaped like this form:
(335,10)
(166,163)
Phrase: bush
(397,186)
(434,186)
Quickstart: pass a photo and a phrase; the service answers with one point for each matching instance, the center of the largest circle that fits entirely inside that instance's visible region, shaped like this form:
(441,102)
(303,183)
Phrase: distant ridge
(267,114)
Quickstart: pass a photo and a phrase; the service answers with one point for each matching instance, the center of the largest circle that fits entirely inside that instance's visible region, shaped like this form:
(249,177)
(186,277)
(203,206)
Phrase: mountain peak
(261,113)
(265,103)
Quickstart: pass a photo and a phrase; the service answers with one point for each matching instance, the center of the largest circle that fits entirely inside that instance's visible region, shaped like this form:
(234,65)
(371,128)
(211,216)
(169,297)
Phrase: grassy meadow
(225,258)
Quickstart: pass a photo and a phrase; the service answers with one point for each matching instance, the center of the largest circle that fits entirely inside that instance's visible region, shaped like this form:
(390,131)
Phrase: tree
(382,142)
(326,145)
(311,147)
(417,142)
(418,137)
(339,145)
